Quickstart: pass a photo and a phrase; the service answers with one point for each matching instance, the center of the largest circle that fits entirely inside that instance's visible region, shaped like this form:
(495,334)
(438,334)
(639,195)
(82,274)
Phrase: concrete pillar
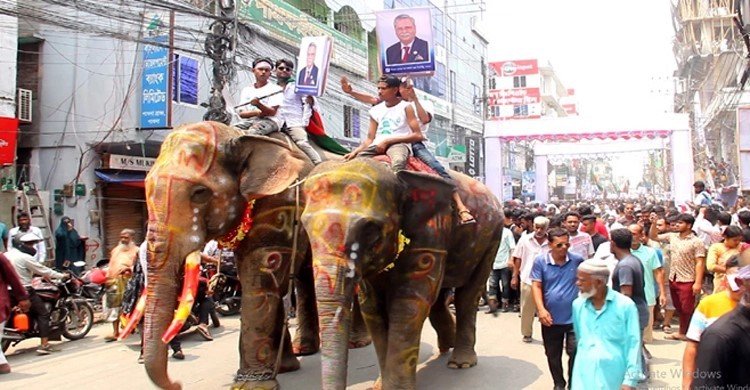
(542,189)
(493,165)
(682,166)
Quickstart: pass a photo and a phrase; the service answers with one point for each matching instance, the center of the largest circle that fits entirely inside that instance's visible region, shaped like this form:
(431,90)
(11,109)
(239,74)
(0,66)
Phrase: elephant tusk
(134,318)
(187,297)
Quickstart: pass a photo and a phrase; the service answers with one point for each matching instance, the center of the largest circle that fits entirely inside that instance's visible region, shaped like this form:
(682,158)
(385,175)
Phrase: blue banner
(154,84)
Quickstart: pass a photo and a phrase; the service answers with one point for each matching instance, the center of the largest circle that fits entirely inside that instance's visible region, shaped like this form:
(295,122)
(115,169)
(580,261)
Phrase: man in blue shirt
(553,277)
(606,324)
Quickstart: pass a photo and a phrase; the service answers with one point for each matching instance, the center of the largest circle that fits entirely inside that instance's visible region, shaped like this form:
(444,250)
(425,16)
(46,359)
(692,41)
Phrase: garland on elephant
(234,237)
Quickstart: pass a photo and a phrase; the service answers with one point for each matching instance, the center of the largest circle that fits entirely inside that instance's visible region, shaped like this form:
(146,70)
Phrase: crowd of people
(601,277)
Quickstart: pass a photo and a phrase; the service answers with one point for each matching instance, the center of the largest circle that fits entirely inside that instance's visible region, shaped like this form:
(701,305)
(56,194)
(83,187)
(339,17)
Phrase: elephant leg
(443,322)
(358,336)
(289,361)
(415,278)
(466,302)
(405,322)
(261,327)
(307,337)
(370,304)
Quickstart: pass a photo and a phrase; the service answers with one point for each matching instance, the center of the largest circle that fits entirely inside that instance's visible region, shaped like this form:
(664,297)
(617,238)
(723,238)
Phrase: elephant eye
(200,195)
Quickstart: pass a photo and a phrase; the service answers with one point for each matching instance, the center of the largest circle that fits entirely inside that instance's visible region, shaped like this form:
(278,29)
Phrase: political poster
(312,65)
(405,41)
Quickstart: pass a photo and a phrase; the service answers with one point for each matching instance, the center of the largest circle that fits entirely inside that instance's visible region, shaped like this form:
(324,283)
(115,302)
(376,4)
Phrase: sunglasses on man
(283,68)
(562,244)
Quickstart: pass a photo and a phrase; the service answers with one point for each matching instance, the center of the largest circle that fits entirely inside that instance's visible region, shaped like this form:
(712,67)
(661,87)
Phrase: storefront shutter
(124,208)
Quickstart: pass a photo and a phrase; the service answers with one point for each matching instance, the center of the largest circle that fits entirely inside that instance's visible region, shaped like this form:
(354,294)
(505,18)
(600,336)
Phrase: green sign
(288,24)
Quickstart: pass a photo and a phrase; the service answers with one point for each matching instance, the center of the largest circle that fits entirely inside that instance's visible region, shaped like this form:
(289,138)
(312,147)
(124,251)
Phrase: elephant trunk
(335,285)
(160,308)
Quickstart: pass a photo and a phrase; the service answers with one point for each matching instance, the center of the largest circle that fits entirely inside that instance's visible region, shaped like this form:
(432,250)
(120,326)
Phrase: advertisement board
(515,67)
(473,151)
(155,83)
(514,96)
(8,137)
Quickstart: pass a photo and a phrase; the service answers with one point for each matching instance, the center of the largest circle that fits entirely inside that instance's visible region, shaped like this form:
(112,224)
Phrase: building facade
(106,86)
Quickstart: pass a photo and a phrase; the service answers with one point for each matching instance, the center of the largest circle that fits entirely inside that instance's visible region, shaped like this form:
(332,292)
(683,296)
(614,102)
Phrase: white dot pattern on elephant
(355,246)
(221,225)
(195,219)
(195,210)
(350,271)
(195,228)
(195,239)
(353,255)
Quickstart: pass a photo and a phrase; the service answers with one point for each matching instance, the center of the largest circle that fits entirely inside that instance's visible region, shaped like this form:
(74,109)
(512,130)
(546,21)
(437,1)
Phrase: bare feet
(466,217)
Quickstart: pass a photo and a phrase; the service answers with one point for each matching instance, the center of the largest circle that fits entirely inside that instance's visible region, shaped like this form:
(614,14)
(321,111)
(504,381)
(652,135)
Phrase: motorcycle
(94,287)
(71,316)
(227,288)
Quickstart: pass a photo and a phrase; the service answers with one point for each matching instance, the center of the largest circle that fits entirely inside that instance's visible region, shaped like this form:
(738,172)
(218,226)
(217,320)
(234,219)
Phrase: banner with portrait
(312,65)
(405,41)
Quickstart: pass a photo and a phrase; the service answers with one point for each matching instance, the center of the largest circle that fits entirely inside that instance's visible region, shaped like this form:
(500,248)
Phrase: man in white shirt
(580,242)
(527,249)
(261,101)
(22,259)
(24,226)
(393,126)
(295,110)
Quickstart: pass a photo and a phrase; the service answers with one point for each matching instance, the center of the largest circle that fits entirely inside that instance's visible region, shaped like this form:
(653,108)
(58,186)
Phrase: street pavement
(505,362)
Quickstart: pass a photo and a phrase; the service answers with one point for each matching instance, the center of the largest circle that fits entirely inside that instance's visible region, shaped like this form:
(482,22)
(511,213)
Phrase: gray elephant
(354,214)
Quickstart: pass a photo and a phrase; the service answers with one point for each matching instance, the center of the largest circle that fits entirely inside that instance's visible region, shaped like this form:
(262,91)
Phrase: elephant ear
(425,196)
(263,165)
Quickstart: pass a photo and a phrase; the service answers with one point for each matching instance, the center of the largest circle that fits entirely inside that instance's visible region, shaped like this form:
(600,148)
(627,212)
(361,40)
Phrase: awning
(128,178)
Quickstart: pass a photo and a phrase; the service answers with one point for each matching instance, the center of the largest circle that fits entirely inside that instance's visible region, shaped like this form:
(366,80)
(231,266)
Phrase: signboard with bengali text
(155,84)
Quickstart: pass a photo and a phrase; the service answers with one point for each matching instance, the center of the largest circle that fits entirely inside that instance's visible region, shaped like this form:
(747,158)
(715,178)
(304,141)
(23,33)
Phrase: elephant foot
(289,364)
(305,347)
(359,341)
(253,385)
(460,360)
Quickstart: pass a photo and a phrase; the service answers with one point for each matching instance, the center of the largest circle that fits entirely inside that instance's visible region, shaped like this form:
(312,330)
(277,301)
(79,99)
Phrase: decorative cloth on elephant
(234,237)
(412,164)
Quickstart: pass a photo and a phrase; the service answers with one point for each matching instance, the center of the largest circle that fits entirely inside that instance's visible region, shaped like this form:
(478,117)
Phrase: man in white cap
(23,220)
(724,349)
(607,327)
(22,258)
(708,311)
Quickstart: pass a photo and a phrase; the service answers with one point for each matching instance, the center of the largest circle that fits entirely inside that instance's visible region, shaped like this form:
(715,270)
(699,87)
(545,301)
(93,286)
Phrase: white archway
(562,135)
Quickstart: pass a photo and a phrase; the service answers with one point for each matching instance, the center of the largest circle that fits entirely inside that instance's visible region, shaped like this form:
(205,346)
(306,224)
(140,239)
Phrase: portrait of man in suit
(309,74)
(409,48)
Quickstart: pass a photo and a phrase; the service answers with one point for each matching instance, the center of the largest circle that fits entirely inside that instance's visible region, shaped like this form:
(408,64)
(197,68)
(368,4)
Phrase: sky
(609,51)
(617,55)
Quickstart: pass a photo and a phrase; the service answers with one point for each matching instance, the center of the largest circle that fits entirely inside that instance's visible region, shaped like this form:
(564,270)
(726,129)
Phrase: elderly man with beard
(607,327)
(528,248)
(121,260)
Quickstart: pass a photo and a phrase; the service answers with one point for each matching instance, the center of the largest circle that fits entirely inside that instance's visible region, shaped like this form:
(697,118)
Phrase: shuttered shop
(124,208)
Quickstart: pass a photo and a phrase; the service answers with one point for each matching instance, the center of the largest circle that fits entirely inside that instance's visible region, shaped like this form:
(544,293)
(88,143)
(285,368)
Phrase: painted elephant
(206,177)
(353,215)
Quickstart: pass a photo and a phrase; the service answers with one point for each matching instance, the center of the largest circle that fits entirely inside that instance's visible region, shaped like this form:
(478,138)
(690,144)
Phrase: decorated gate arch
(562,135)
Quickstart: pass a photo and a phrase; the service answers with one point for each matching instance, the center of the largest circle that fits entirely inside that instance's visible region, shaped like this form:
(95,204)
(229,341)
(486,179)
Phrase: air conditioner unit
(23,104)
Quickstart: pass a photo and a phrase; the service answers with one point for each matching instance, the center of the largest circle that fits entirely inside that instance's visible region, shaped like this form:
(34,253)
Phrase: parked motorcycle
(71,315)
(94,287)
(227,289)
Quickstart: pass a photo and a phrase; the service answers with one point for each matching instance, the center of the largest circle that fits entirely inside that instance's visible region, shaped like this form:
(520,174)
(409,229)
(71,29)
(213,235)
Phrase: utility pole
(220,45)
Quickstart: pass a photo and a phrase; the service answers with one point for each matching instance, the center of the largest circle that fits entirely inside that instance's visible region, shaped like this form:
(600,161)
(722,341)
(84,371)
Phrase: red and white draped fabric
(567,137)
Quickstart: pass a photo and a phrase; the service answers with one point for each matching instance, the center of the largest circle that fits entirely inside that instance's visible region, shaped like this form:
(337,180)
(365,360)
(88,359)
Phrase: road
(505,362)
